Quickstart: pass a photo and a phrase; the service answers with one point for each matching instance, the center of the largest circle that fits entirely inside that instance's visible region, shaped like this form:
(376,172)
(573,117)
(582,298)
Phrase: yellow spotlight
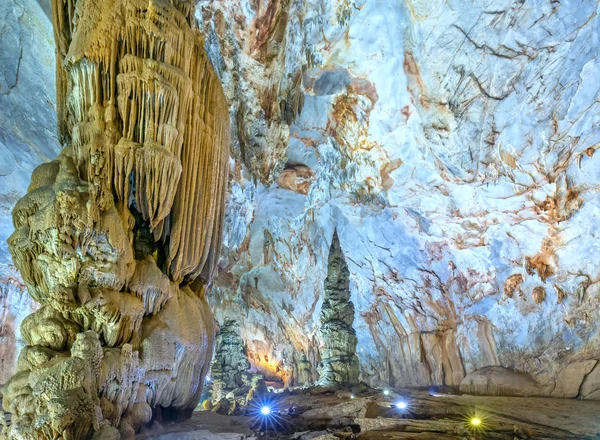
(475,421)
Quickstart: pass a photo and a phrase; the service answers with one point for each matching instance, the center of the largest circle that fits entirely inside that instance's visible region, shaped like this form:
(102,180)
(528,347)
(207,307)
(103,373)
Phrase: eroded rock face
(27,138)
(118,237)
(259,52)
(454,152)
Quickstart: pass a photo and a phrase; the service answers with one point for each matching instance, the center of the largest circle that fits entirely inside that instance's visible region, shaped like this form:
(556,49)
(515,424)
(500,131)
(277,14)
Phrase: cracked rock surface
(452,148)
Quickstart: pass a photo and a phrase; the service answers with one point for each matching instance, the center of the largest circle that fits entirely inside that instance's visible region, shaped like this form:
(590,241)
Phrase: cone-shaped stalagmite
(117,238)
(339,361)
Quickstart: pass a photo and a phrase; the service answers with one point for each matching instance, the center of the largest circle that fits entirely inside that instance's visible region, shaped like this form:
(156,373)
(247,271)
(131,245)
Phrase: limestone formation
(304,371)
(500,381)
(117,238)
(230,366)
(297,178)
(339,363)
(455,145)
(455,151)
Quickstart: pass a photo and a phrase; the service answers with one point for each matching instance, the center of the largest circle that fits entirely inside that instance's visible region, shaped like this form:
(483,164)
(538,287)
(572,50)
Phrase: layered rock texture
(452,147)
(118,237)
(229,369)
(339,364)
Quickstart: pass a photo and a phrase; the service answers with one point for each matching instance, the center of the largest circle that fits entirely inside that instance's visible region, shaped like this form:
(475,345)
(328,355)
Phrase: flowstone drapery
(117,239)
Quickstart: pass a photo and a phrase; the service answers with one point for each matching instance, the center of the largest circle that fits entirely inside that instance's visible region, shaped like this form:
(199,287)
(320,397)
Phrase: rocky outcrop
(500,381)
(118,237)
(260,54)
(296,177)
(305,376)
(339,364)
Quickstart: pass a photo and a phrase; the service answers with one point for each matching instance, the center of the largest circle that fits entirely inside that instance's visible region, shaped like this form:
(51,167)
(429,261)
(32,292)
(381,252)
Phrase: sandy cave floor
(311,414)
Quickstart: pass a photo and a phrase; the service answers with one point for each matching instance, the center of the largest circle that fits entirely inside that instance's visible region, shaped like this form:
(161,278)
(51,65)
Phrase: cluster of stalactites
(110,236)
(147,120)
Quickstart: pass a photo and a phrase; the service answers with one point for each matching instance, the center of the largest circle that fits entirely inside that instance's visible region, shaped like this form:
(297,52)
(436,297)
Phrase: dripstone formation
(230,367)
(117,239)
(339,361)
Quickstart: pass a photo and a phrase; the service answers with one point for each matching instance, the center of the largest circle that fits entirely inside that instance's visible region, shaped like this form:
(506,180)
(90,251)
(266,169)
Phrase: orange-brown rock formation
(118,237)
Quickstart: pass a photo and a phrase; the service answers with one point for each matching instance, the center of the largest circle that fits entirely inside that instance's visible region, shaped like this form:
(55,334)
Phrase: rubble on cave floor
(325,414)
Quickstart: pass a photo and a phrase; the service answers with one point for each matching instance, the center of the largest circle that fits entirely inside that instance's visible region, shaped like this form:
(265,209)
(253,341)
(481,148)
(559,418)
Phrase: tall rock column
(117,239)
(339,363)
(230,365)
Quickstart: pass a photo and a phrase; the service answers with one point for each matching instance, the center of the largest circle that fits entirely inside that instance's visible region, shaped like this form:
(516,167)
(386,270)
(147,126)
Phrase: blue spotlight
(266,414)
(401,405)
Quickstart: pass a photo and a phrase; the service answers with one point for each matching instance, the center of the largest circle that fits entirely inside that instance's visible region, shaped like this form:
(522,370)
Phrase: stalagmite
(339,361)
(118,238)
(230,367)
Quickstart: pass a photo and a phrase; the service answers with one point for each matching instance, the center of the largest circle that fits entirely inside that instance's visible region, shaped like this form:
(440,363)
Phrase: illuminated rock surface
(452,148)
(117,238)
(305,416)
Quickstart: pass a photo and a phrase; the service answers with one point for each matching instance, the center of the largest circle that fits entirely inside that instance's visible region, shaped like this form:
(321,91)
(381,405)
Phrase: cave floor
(312,414)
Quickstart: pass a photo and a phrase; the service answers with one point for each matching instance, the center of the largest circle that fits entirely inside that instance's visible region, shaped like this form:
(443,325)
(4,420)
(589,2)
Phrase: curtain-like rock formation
(339,363)
(117,239)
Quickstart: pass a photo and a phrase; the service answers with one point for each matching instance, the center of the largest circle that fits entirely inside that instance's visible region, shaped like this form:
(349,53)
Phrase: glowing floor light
(352,396)
(401,405)
(475,422)
(265,410)
(207,378)
(386,392)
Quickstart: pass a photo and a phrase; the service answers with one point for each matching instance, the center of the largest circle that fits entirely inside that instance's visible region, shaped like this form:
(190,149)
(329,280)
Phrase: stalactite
(118,238)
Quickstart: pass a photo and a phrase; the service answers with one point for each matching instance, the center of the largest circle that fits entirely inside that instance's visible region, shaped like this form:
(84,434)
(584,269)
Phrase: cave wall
(27,138)
(453,149)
